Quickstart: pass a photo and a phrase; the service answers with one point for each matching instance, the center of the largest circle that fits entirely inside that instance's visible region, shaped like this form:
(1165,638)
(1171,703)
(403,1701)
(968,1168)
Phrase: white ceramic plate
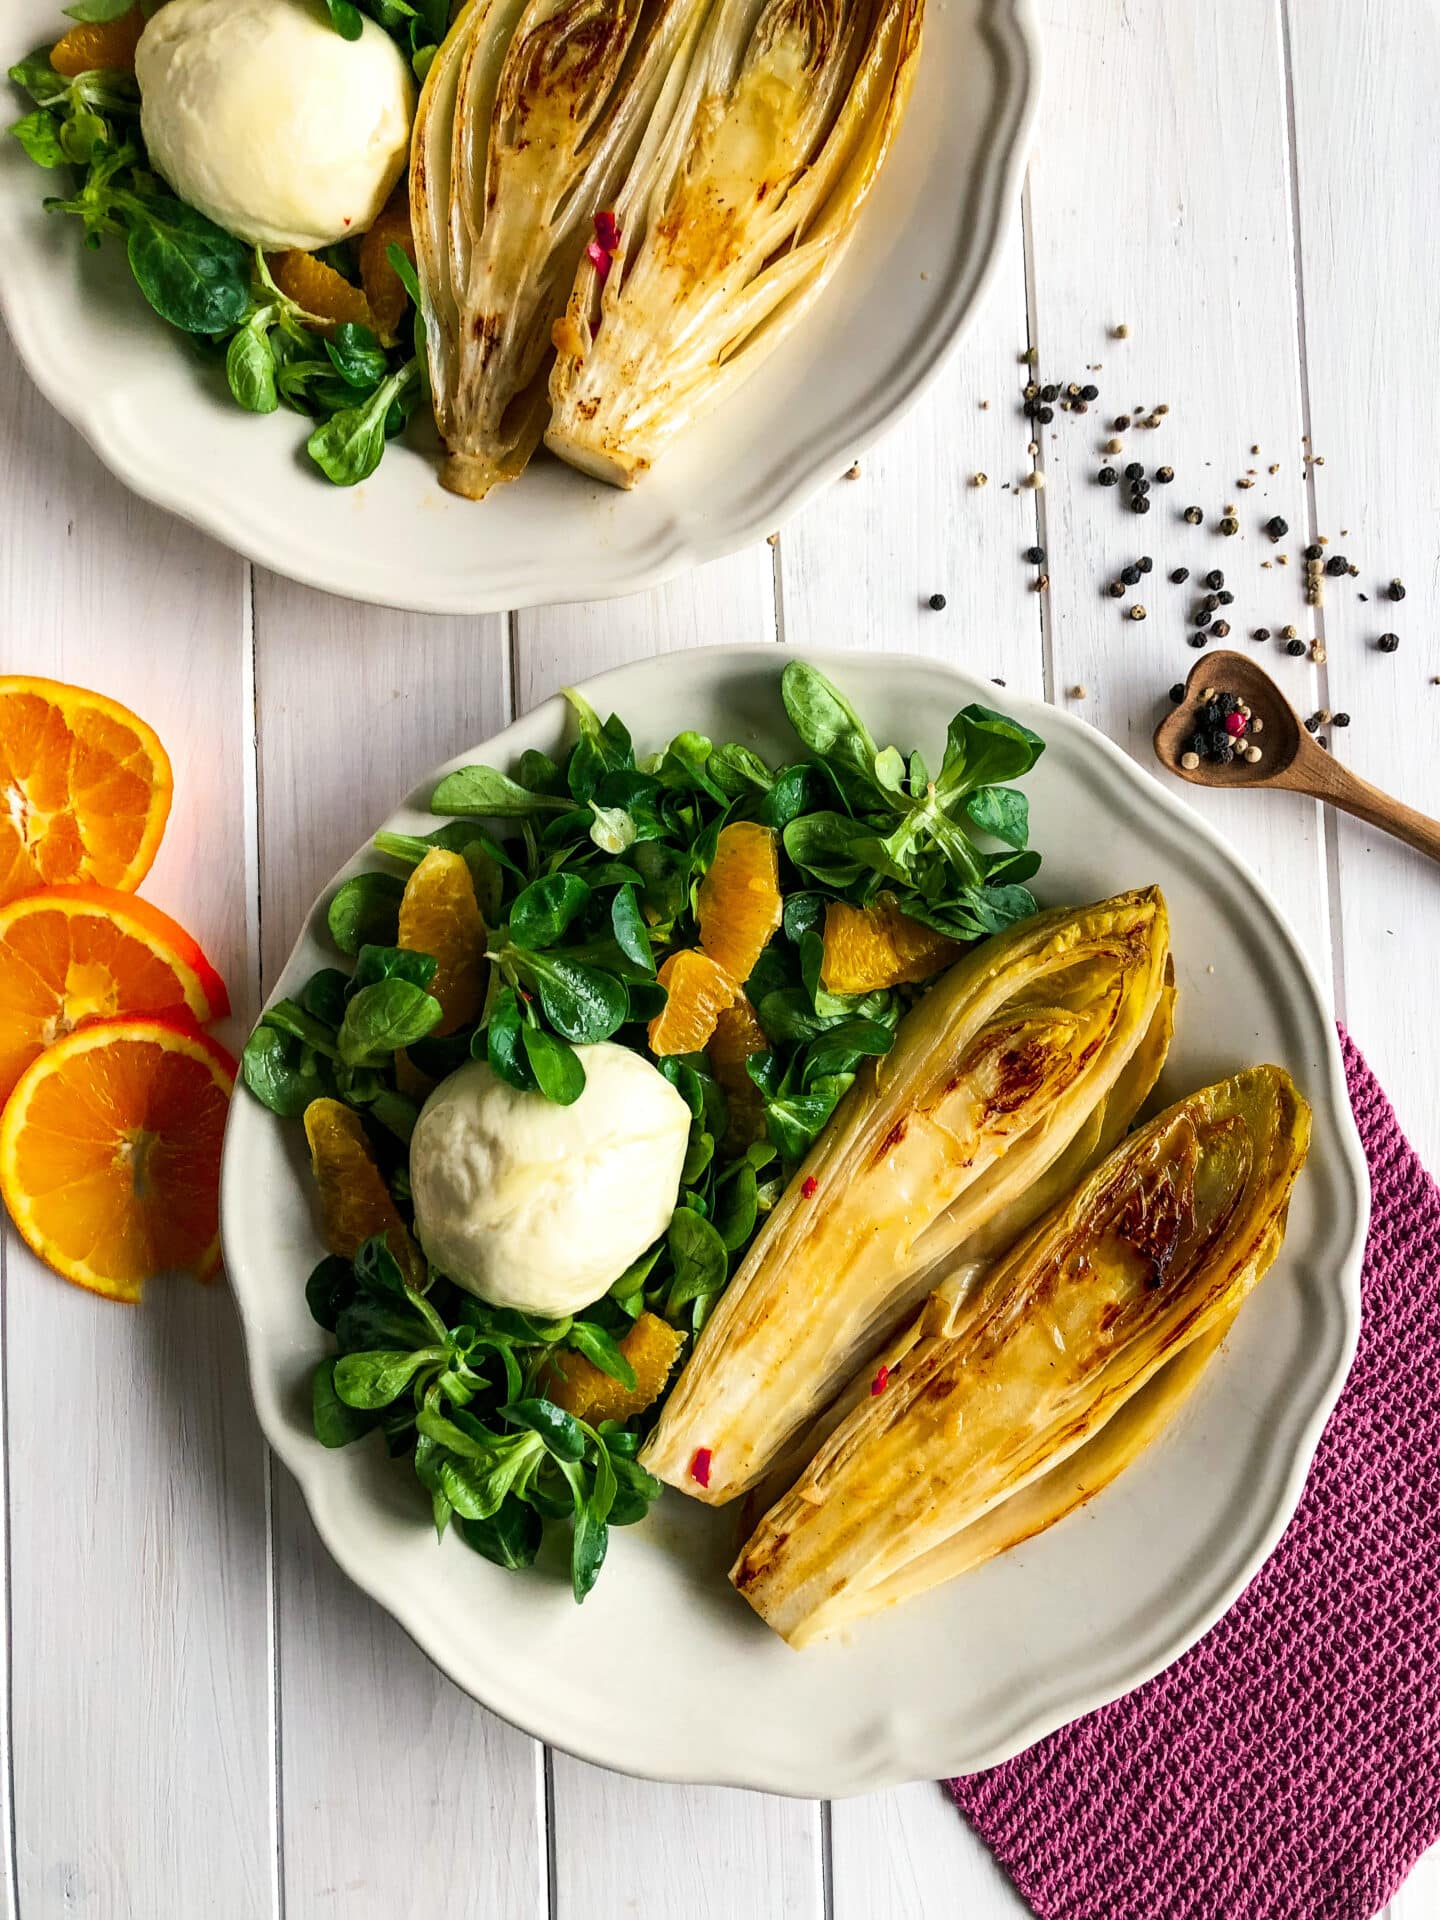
(665,1671)
(165,425)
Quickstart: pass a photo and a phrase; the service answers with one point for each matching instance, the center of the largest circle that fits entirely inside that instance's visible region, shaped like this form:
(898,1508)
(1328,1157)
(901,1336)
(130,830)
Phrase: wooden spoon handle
(1348,791)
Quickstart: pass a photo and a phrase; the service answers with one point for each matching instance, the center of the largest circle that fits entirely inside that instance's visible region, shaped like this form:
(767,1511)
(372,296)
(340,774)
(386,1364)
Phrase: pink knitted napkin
(1288,1767)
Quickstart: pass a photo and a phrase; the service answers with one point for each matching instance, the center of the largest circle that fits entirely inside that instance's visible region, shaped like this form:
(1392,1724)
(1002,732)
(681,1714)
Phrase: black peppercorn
(1224,754)
(1276,527)
(1180,576)
(1211,602)
(1121,422)
(1139,486)
(1145,563)
(1049,392)
(1221,629)
(1089,391)
(1202,616)
(1045,416)
(937,603)
(1198,639)
(1177,692)
(1261,633)
(1314,551)
(1295,648)
(1312,725)
(1107,477)
(1139,504)
(1229,524)
(1036,556)
(1339,719)
(1227,599)
(1214,579)
(1194,515)
(1130,575)
(1388,642)
(1116,589)
(1030,409)
(1336,565)
(1165,475)
(1395,591)
(1134,471)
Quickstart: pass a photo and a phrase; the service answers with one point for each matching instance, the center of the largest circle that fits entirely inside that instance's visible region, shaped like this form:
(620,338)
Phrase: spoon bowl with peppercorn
(1235,728)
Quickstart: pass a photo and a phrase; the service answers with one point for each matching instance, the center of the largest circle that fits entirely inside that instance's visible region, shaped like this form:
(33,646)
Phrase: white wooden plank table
(201,1717)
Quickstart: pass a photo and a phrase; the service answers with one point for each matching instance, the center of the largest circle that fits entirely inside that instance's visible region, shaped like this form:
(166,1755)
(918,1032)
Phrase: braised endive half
(993,1076)
(527,120)
(986,1400)
(737,209)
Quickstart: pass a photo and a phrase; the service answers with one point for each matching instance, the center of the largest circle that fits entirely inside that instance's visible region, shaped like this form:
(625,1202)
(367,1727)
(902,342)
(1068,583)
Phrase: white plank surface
(1259,201)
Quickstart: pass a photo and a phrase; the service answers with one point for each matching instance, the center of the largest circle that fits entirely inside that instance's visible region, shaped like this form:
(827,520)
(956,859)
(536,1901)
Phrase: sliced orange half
(739,905)
(106,44)
(439,915)
(85,788)
(110,1152)
(699,989)
(69,955)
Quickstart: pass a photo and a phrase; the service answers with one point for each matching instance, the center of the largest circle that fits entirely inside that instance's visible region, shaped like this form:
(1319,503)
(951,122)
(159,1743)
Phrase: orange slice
(354,1198)
(84,788)
(738,903)
(738,1035)
(110,1152)
(102,44)
(319,289)
(384,289)
(652,1347)
(69,955)
(439,916)
(698,990)
(879,946)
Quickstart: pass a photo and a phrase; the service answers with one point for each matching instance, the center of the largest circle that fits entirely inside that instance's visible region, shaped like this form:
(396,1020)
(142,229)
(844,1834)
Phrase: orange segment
(69,955)
(439,916)
(737,1037)
(738,904)
(698,990)
(879,946)
(652,1347)
(354,1199)
(383,287)
(84,788)
(92,45)
(319,289)
(110,1152)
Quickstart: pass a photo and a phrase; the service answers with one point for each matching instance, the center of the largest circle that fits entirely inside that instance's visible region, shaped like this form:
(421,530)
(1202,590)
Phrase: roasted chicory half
(528,118)
(741,201)
(982,1403)
(992,1077)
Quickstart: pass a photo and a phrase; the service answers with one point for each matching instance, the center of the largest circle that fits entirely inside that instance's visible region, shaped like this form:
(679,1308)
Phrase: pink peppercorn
(1235,723)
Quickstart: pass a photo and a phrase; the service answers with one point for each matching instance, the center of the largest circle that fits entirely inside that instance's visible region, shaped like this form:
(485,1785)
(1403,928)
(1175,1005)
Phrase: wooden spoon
(1291,758)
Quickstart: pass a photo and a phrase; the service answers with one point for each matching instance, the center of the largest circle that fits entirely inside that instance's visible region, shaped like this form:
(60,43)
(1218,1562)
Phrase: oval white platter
(163,422)
(665,1671)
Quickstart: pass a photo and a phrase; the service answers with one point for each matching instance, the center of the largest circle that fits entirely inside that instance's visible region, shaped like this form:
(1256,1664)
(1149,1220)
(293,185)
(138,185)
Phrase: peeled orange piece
(879,946)
(439,916)
(737,1037)
(383,287)
(652,1347)
(84,788)
(73,954)
(738,903)
(110,1152)
(699,990)
(107,44)
(319,289)
(354,1198)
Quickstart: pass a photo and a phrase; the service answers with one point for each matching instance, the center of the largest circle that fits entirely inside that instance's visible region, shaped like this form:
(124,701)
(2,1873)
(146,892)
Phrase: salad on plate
(679,1119)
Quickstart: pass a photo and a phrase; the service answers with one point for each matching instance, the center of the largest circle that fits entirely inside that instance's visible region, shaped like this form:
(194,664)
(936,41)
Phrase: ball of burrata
(259,114)
(541,1207)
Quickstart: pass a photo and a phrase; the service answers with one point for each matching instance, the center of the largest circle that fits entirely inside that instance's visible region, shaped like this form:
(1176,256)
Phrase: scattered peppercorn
(1215,579)
(1225,597)
(1295,648)
(1130,575)
(1116,589)
(1145,563)
(1287,633)
(1032,391)
(1229,525)
(1198,639)
(1261,634)
(1139,486)
(1388,642)
(1165,475)
(1134,471)
(1276,527)
(1189,761)
(1107,477)
(1179,576)
(1177,693)
(1395,590)
(1036,556)
(1312,725)
(1139,503)
(1089,391)
(1137,612)
(1045,416)
(1340,720)
(1122,421)
(1049,392)
(1202,616)
(1194,515)
(1211,602)
(1314,551)
(1336,565)
(1221,629)
(937,603)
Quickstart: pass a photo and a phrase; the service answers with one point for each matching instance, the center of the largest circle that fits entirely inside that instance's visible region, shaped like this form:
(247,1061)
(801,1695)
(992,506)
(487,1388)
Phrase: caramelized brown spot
(892,1139)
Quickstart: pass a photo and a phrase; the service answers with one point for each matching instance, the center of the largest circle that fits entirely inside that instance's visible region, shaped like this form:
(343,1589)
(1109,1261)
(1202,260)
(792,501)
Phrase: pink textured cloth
(1288,1767)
